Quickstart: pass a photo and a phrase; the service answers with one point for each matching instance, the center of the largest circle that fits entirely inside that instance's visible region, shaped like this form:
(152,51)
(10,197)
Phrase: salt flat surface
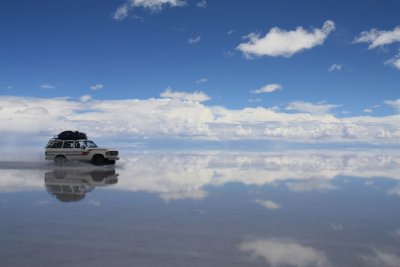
(292,208)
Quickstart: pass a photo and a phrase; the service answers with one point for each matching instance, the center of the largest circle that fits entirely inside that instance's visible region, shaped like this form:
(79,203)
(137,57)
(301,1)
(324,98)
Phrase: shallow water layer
(302,208)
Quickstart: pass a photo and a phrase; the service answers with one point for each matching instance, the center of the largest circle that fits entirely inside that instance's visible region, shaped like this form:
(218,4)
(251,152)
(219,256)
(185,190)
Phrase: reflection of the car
(69,185)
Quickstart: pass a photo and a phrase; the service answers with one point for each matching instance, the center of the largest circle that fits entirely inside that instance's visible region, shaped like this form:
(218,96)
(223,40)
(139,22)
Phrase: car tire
(98,160)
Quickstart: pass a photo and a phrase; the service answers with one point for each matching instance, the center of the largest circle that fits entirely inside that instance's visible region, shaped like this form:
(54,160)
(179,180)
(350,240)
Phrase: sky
(298,71)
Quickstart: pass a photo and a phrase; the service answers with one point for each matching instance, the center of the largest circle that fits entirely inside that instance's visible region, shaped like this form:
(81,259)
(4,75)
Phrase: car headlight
(112,153)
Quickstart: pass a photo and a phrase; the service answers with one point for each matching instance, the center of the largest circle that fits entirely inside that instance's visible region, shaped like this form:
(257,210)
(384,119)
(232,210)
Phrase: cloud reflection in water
(186,176)
(279,252)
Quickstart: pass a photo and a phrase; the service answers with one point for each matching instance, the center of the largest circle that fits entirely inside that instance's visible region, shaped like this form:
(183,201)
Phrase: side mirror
(83,147)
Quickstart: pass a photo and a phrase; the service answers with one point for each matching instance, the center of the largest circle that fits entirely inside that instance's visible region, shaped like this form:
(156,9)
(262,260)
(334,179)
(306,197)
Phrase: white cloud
(278,42)
(368,110)
(394,62)
(335,67)
(195,96)
(85,98)
(277,252)
(153,5)
(34,111)
(310,107)
(97,86)
(377,38)
(268,204)
(394,103)
(202,80)
(243,131)
(202,4)
(47,86)
(185,115)
(230,32)
(194,40)
(269,88)
(122,11)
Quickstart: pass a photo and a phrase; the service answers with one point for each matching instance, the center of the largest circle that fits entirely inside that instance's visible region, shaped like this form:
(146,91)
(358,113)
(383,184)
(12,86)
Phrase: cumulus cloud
(335,67)
(278,42)
(277,252)
(268,204)
(47,86)
(97,86)
(194,40)
(269,88)
(310,107)
(153,5)
(195,96)
(377,38)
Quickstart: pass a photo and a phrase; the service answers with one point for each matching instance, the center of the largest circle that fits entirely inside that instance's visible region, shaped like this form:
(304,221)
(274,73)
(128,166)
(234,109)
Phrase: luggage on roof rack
(71,135)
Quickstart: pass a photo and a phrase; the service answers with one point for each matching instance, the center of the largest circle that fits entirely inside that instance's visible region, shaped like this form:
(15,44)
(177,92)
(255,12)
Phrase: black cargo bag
(71,135)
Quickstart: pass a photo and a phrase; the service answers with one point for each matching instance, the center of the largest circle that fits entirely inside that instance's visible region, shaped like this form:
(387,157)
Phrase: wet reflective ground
(302,208)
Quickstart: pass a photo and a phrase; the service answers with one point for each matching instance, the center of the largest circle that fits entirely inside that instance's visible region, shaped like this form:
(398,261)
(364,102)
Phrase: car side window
(56,144)
(79,144)
(68,144)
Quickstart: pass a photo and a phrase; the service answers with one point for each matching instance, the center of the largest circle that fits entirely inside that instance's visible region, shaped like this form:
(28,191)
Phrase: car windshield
(90,144)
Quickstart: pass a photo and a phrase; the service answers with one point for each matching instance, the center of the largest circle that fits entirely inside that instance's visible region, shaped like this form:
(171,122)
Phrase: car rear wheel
(98,160)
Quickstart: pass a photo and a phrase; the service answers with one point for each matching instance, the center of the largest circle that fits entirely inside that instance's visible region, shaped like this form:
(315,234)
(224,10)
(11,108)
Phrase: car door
(69,149)
(80,150)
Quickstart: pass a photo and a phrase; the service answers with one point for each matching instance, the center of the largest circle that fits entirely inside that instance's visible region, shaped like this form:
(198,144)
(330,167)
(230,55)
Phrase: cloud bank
(185,115)
(278,42)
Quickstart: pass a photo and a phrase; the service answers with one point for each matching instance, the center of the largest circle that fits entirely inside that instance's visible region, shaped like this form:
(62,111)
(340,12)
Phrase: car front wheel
(98,160)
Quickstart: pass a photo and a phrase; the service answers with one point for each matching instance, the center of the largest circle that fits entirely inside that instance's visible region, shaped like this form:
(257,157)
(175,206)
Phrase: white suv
(62,151)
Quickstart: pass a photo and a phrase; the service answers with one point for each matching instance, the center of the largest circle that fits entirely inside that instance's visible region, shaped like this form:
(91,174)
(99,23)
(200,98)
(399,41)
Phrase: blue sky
(51,49)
